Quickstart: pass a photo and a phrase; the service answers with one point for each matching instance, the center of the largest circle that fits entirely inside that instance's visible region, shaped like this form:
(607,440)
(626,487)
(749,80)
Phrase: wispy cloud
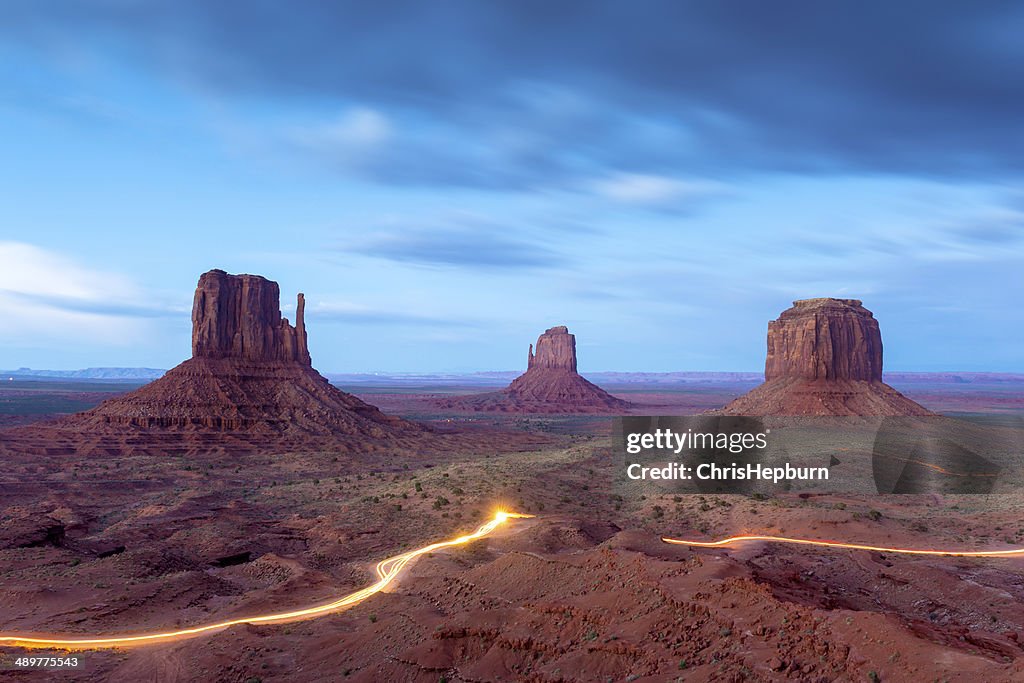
(364,315)
(45,295)
(457,247)
(122,309)
(997,229)
(357,129)
(655,190)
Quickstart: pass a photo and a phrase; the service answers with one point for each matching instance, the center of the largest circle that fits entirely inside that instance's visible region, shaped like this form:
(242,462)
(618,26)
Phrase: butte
(824,358)
(550,384)
(249,386)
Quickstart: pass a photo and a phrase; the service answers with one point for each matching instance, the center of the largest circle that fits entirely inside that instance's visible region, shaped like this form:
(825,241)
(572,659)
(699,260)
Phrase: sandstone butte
(550,384)
(824,358)
(250,370)
(250,383)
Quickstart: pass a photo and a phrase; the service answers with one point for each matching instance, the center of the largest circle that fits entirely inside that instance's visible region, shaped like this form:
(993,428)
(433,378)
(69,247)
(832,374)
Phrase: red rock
(250,384)
(825,339)
(556,349)
(824,358)
(238,316)
(550,384)
(254,397)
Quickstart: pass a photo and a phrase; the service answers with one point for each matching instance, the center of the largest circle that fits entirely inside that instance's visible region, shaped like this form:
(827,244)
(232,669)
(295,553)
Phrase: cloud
(465,247)
(353,314)
(31,270)
(406,151)
(992,231)
(359,127)
(46,296)
(509,94)
(638,188)
(94,306)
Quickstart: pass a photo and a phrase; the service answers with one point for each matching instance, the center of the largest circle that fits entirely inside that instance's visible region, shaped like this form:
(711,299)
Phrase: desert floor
(585,591)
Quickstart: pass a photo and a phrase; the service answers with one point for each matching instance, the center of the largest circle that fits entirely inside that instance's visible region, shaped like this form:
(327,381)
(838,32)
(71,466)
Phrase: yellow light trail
(732,540)
(387,571)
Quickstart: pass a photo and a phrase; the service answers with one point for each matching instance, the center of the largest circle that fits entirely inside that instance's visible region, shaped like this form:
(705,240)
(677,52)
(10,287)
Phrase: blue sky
(446,180)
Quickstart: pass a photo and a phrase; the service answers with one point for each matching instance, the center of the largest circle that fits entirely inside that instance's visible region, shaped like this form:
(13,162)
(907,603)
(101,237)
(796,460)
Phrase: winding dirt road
(387,571)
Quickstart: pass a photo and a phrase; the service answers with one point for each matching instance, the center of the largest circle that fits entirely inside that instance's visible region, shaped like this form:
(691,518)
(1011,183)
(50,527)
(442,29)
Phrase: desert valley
(243,482)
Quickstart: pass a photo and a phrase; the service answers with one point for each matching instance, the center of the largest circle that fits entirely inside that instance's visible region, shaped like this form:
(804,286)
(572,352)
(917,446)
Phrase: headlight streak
(733,540)
(387,571)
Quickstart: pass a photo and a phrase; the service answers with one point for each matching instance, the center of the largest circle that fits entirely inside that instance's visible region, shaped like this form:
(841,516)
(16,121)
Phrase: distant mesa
(550,384)
(824,358)
(249,381)
(117,374)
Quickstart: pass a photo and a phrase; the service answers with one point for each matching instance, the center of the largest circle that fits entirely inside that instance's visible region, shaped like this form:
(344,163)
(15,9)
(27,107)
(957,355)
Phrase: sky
(446,180)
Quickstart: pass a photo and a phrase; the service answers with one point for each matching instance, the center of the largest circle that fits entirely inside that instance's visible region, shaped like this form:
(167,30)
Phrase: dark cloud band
(666,87)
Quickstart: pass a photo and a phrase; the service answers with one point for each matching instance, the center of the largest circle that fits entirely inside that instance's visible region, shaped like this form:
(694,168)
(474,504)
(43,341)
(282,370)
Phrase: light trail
(733,540)
(387,571)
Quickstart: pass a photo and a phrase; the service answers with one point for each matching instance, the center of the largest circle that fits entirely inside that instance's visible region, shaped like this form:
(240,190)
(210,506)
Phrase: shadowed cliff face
(237,316)
(831,339)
